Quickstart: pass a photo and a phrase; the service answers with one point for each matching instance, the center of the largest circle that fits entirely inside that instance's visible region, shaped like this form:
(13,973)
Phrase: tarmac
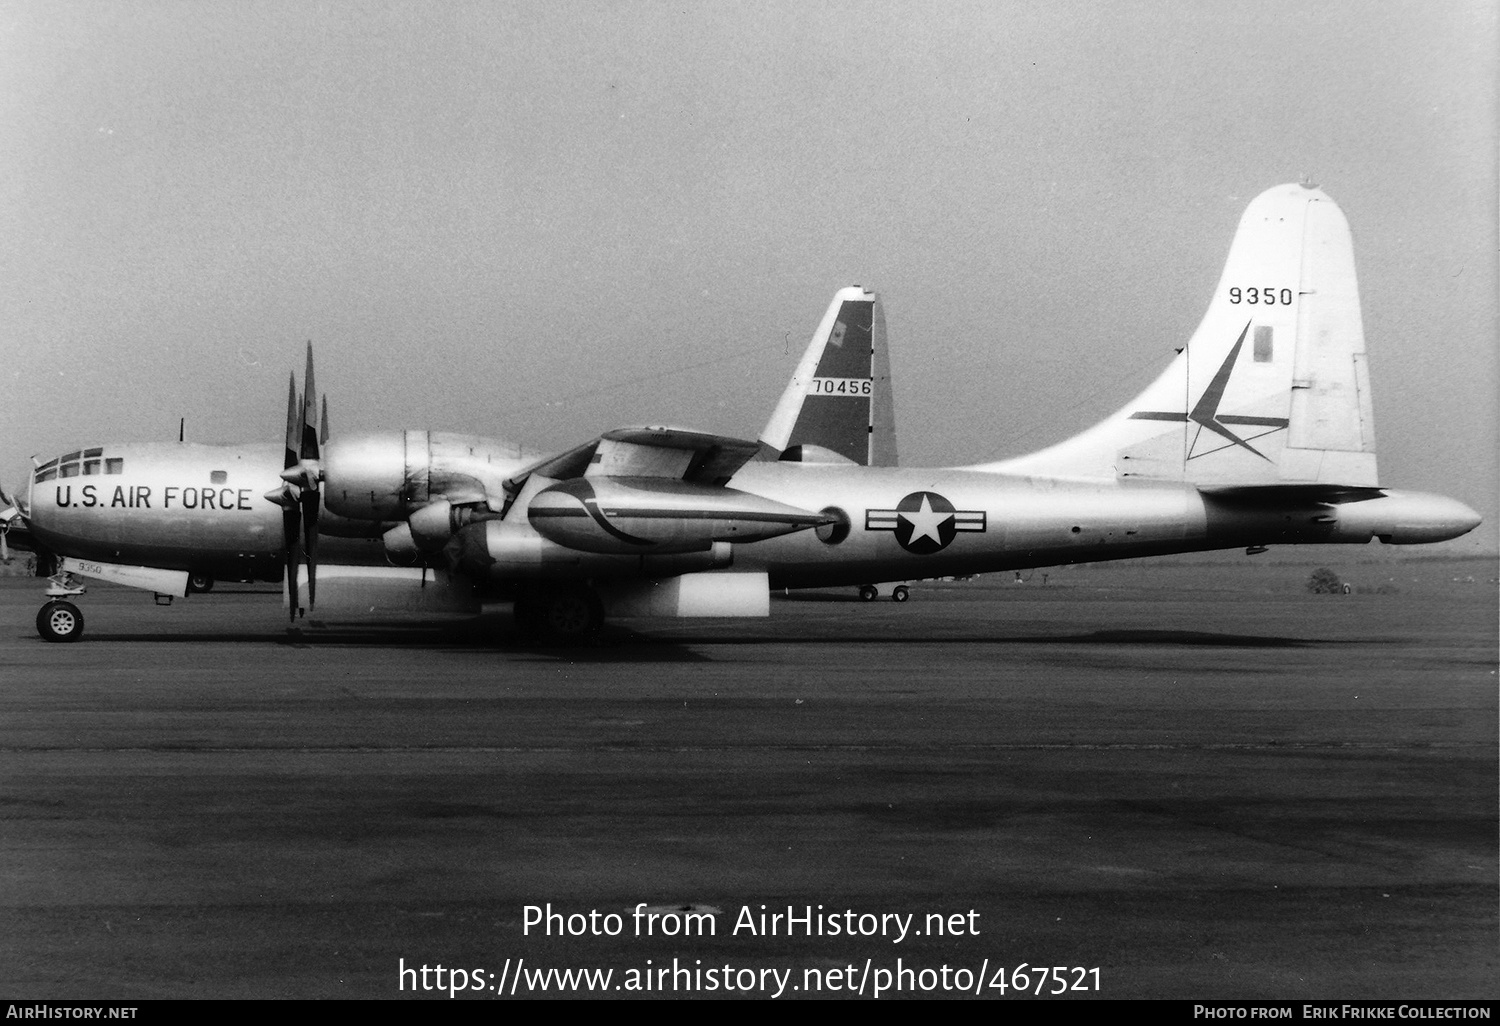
(1172,782)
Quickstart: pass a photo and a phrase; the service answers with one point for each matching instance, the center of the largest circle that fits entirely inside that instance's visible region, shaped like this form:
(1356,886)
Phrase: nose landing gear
(59,620)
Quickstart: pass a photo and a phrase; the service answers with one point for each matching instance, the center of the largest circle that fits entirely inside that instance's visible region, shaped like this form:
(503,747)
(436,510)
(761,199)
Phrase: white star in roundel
(925,522)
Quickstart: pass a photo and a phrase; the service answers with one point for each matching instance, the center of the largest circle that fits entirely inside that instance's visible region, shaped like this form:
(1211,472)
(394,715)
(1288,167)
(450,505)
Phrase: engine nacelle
(400,547)
(652,515)
(389,475)
(511,551)
(429,529)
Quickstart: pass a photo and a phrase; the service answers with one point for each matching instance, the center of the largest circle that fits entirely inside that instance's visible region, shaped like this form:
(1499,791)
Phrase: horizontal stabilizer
(1283,496)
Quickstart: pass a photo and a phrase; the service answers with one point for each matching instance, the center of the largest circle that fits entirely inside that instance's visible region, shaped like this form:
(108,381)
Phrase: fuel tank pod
(632,516)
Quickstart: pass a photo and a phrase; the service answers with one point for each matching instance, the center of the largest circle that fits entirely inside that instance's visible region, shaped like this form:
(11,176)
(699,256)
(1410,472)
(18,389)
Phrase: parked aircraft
(1260,432)
(171,518)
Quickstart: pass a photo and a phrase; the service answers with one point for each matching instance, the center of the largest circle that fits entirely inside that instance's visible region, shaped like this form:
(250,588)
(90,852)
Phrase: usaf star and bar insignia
(924,522)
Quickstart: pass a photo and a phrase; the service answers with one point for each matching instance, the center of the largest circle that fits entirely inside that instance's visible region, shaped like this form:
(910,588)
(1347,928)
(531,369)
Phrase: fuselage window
(218,476)
(114,466)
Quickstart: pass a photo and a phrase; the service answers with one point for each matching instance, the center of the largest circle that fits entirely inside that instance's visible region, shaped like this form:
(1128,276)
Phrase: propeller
(299,498)
(9,511)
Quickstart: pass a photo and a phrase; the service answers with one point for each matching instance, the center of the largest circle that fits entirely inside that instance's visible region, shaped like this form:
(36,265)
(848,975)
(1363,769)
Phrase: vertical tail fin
(838,406)
(1273,387)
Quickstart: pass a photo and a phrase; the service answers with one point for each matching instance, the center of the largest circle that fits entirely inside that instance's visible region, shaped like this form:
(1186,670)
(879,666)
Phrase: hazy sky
(543,220)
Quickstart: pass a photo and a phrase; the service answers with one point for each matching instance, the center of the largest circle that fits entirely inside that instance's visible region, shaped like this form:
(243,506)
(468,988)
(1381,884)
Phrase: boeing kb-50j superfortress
(1260,432)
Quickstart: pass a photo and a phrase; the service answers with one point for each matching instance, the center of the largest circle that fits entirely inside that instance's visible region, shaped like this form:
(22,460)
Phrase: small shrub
(1324,581)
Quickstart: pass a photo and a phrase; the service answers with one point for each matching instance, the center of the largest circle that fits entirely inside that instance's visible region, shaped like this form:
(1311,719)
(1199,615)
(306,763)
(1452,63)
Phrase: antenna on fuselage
(181,428)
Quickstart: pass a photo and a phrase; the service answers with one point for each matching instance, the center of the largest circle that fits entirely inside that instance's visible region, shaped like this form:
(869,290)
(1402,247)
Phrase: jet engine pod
(631,516)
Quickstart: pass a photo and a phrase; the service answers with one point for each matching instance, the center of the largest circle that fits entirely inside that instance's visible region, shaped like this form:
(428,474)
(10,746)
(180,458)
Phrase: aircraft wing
(650,490)
(673,453)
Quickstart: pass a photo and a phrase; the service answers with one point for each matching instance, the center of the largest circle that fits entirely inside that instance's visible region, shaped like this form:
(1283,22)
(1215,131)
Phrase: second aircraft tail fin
(838,407)
(1273,387)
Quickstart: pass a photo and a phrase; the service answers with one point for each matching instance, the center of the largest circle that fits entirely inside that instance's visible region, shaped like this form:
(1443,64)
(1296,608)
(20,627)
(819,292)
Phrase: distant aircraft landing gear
(59,621)
(900,594)
(200,584)
(868,593)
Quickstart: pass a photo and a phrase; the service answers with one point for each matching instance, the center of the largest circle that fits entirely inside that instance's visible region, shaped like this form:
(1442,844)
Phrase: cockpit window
(83,461)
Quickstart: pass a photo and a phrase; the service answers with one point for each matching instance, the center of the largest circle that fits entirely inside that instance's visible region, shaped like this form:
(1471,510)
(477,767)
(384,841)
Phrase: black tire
(868,593)
(524,614)
(901,594)
(59,621)
(569,614)
(199,584)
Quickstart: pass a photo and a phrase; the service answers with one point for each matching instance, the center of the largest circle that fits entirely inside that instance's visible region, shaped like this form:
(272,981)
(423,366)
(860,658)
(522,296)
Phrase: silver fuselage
(182,506)
(1003,522)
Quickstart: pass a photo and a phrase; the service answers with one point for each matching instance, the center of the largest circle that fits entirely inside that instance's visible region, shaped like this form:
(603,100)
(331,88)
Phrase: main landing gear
(59,620)
(869,593)
(559,614)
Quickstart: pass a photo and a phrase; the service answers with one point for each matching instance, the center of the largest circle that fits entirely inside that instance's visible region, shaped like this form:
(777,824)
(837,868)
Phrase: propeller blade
(299,499)
(291,423)
(291,520)
(310,536)
(309,438)
(308,453)
(323,426)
